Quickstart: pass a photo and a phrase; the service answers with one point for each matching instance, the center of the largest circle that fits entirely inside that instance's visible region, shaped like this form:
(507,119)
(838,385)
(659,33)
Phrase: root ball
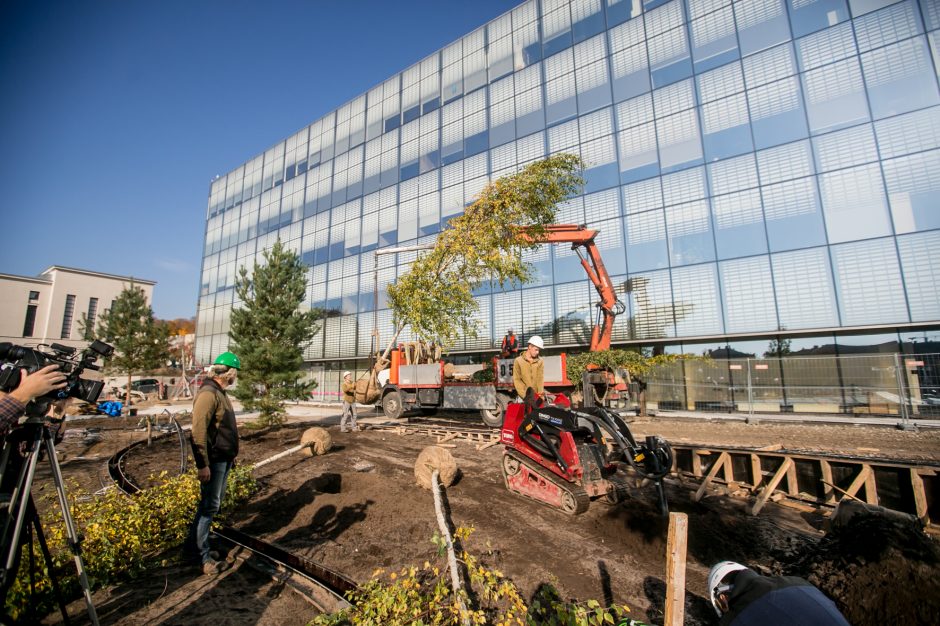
(435,458)
(321,440)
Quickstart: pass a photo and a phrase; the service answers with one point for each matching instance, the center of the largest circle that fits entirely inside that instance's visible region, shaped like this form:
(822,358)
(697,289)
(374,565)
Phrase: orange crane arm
(609,307)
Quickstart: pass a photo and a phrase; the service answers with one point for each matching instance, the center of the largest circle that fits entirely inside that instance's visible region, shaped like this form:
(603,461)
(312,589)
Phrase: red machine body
(566,458)
(550,458)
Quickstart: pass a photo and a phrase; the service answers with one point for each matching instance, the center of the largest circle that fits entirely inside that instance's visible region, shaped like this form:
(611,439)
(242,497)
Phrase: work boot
(213,567)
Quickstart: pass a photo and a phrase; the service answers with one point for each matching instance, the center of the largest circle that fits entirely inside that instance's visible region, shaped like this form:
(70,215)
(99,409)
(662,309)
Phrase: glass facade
(753,167)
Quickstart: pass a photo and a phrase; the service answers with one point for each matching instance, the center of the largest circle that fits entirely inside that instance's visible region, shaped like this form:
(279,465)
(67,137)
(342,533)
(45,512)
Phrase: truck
(416,384)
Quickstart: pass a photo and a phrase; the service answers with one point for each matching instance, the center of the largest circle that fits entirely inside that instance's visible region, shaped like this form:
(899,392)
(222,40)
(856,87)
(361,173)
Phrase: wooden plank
(771,448)
(826,470)
(920,496)
(717,465)
(676,547)
(729,474)
(842,491)
(484,446)
(871,489)
(859,481)
(793,487)
(769,489)
(696,464)
(757,474)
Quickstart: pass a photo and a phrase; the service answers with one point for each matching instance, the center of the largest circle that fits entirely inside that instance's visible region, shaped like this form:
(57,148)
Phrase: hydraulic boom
(609,307)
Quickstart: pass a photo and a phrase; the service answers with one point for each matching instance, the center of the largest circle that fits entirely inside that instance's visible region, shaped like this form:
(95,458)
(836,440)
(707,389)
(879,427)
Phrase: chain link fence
(902,385)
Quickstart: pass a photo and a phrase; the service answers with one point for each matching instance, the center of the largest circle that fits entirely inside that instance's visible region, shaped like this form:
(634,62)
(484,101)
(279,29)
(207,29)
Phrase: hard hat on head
(509,331)
(345,374)
(229,359)
(536,341)
(715,578)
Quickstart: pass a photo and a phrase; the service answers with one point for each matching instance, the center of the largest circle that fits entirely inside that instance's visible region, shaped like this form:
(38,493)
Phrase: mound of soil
(877,570)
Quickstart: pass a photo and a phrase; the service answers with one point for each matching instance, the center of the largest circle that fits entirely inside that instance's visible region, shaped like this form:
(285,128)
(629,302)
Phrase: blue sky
(115,115)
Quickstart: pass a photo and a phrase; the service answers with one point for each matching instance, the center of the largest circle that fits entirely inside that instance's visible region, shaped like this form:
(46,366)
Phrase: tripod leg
(16,512)
(75,540)
(44,549)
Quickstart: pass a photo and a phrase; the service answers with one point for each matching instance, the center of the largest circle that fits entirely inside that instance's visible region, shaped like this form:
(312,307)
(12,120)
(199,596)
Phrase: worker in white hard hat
(528,370)
(348,421)
(742,597)
(510,347)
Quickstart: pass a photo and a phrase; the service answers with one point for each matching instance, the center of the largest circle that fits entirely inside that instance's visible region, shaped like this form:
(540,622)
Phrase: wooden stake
(676,545)
(769,489)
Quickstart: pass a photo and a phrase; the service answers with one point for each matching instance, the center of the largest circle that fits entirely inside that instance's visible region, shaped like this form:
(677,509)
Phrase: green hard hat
(228,358)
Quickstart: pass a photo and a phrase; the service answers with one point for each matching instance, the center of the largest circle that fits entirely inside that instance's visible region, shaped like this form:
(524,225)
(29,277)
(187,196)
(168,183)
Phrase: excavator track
(571,498)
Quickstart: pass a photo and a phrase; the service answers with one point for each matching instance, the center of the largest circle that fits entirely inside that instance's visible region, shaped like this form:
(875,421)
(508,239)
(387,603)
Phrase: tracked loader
(566,457)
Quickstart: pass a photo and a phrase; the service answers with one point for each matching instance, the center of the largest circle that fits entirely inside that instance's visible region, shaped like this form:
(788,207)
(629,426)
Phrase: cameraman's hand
(38,383)
(203,474)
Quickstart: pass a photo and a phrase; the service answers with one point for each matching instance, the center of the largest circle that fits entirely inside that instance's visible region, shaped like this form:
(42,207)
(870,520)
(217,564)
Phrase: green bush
(422,596)
(122,534)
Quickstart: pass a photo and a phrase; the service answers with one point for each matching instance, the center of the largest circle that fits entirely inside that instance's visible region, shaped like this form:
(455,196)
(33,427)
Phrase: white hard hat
(536,341)
(509,331)
(716,575)
(345,374)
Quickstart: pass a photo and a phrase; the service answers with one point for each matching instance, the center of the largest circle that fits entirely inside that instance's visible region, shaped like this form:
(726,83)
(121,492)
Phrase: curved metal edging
(328,588)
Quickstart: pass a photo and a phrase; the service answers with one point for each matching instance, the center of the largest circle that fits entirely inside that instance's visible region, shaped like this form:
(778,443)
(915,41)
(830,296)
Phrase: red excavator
(566,457)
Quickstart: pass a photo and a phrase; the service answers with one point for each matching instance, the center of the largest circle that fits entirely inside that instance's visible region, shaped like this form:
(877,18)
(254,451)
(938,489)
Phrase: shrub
(423,596)
(122,535)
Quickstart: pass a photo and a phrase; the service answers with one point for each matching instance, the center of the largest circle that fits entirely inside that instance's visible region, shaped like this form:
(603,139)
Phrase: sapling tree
(485,243)
(140,341)
(269,331)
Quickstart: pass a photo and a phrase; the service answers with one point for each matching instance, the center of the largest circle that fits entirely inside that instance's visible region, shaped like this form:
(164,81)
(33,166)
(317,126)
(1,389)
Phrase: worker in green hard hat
(214,440)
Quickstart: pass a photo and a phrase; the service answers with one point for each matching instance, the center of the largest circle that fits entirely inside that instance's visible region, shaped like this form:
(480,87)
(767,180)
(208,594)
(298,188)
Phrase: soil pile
(877,570)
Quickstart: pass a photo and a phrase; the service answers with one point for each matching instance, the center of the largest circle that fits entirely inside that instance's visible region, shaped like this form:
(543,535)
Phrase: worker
(214,440)
(510,347)
(528,370)
(348,421)
(742,597)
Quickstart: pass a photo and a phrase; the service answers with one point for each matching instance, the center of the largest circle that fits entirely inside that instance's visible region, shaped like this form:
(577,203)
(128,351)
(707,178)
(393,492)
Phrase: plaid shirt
(10,411)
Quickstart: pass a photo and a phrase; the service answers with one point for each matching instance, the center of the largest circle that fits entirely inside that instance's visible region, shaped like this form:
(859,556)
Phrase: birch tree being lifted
(435,296)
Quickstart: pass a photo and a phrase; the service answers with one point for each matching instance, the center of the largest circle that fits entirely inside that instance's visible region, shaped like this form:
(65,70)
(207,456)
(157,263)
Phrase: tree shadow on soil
(328,523)
(279,509)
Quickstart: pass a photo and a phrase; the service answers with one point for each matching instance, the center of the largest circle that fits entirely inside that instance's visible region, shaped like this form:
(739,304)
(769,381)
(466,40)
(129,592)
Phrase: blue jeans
(197,543)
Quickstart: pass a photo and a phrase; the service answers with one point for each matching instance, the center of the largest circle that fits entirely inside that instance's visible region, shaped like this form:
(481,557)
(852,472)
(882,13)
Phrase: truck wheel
(494,417)
(391,405)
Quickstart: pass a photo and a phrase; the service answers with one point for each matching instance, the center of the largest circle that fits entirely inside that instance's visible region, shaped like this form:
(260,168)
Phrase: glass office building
(756,169)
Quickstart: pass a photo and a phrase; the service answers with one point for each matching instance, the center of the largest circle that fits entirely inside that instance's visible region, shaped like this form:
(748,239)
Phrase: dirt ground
(355,521)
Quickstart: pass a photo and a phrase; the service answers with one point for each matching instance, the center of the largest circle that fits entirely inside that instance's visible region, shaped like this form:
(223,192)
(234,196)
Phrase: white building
(47,308)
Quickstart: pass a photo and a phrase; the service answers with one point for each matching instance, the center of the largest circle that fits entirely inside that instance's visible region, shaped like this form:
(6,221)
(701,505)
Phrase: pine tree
(140,342)
(269,331)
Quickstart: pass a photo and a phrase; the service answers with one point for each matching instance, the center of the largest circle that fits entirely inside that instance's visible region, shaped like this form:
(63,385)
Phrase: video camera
(13,358)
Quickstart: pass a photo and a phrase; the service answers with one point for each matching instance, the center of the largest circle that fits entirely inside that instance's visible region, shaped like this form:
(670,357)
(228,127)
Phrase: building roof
(27,279)
(73,270)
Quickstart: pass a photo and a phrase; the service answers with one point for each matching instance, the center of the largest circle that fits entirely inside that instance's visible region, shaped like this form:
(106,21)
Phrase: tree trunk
(641,398)
(391,342)
(127,395)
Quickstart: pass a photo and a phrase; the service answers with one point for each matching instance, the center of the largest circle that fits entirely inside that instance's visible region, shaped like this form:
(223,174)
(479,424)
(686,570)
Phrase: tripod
(16,478)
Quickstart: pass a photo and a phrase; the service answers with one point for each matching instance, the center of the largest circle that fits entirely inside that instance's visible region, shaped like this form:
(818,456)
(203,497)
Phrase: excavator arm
(579,236)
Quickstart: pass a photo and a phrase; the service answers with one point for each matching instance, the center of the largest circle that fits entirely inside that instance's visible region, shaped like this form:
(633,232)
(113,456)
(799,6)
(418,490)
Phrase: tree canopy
(269,331)
(139,340)
(485,243)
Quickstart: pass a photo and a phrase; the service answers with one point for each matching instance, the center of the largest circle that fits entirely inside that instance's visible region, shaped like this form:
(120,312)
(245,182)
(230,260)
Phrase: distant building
(47,308)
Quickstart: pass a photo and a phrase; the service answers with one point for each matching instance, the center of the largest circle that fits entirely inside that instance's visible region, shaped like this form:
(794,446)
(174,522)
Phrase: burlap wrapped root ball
(320,439)
(435,458)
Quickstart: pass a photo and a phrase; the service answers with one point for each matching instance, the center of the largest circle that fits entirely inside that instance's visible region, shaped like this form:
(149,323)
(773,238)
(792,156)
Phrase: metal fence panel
(903,385)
